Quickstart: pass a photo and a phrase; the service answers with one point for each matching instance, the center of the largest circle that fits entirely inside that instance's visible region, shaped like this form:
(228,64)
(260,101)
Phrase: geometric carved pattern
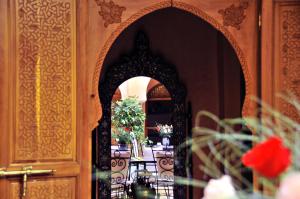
(159,91)
(110,12)
(58,189)
(45,91)
(234,16)
(289,68)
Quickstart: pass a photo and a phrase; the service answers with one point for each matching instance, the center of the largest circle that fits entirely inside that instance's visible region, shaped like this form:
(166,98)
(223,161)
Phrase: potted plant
(128,120)
(122,137)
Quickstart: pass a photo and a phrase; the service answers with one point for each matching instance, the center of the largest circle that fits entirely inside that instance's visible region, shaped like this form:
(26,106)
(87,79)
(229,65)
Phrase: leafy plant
(128,120)
(122,136)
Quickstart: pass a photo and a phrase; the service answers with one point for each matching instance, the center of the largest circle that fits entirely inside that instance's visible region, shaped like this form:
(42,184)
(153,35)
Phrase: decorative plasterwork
(248,106)
(110,12)
(106,47)
(234,15)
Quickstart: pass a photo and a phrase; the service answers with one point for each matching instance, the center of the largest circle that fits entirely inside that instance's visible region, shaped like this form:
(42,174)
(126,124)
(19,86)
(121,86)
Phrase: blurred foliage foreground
(237,163)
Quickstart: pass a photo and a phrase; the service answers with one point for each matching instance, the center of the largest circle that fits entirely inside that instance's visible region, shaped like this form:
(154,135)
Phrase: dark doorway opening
(141,62)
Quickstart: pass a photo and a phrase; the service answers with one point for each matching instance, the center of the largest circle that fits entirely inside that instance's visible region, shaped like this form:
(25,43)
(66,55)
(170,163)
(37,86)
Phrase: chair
(165,171)
(165,164)
(119,170)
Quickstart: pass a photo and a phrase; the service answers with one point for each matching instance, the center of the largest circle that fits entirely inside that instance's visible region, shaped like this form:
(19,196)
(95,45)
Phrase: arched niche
(141,62)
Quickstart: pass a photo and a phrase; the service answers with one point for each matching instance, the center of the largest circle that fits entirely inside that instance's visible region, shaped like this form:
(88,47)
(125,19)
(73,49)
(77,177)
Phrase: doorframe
(141,62)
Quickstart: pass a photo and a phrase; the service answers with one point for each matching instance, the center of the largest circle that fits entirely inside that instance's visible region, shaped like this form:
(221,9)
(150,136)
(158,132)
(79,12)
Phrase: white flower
(165,129)
(220,189)
(290,187)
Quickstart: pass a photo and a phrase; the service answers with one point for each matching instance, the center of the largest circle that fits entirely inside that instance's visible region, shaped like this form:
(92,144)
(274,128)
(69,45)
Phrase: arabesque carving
(234,15)
(289,56)
(110,12)
(58,189)
(45,92)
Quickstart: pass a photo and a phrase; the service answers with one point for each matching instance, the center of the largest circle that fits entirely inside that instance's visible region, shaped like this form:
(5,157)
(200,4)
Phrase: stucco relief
(248,107)
(234,15)
(110,12)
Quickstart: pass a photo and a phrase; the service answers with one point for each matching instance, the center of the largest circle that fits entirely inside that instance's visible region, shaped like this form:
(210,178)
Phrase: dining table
(137,162)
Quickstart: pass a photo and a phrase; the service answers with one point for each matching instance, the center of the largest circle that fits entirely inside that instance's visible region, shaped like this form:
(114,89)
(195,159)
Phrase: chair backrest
(165,164)
(119,166)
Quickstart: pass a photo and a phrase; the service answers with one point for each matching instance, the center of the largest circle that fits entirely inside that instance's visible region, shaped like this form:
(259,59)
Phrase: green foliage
(121,135)
(128,116)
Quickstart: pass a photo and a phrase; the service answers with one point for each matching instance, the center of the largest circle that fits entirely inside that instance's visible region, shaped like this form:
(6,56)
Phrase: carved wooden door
(38,114)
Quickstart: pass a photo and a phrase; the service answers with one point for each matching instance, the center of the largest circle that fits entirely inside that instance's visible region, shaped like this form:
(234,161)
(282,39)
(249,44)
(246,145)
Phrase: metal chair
(119,171)
(165,171)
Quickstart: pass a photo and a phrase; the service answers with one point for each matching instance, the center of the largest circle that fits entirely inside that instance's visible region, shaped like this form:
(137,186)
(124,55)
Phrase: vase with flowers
(165,132)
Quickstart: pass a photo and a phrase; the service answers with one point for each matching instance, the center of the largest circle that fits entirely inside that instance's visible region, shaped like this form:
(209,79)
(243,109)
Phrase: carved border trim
(189,8)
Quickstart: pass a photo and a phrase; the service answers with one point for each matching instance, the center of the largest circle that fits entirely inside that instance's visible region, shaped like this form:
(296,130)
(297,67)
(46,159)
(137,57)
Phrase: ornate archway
(141,62)
(250,89)
(248,106)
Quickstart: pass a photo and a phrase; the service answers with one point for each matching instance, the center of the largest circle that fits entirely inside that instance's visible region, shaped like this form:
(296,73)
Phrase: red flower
(127,129)
(157,128)
(269,158)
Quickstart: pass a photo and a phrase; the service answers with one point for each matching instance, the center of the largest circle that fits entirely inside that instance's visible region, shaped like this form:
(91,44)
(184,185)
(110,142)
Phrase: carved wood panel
(40,97)
(287,55)
(47,189)
(45,76)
